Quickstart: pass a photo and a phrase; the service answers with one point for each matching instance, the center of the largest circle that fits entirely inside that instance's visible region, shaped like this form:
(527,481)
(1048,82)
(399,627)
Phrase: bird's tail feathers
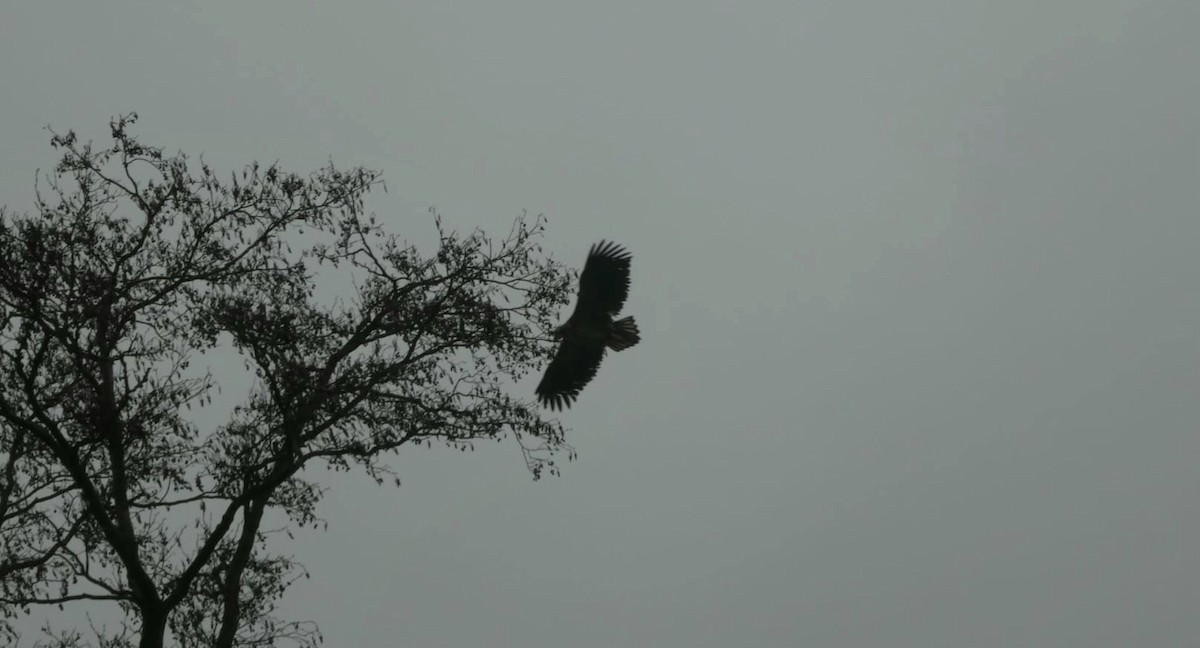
(624,334)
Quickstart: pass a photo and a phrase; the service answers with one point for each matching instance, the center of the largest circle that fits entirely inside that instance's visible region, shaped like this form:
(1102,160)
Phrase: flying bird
(603,287)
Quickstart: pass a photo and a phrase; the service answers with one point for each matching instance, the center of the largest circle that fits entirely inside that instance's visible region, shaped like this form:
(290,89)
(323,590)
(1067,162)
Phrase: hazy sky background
(917,283)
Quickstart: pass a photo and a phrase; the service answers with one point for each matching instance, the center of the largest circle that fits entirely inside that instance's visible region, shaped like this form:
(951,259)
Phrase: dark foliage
(138,263)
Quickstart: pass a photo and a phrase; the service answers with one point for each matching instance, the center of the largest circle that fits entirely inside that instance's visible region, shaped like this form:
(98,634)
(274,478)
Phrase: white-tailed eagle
(603,287)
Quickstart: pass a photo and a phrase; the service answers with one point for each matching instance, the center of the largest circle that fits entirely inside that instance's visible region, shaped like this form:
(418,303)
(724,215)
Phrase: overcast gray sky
(917,283)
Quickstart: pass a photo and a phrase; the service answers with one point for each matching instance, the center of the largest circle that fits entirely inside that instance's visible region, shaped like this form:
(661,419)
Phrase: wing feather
(574,365)
(604,282)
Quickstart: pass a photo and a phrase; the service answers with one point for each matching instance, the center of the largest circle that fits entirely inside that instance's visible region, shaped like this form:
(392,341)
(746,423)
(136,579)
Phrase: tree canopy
(133,266)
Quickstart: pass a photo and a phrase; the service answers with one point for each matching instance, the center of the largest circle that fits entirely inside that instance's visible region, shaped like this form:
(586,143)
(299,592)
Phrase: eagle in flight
(603,287)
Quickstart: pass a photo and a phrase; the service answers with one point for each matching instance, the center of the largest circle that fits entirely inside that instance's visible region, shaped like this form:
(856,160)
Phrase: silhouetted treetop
(135,270)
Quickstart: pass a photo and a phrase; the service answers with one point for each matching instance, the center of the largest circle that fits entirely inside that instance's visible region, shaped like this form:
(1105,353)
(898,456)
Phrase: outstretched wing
(574,365)
(604,282)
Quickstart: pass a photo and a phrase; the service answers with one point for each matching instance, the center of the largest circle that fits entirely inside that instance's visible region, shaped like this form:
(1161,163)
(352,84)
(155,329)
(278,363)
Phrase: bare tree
(136,264)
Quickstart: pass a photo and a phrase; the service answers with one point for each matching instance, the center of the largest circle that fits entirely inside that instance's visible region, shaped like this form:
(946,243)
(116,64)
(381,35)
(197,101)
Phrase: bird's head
(559,332)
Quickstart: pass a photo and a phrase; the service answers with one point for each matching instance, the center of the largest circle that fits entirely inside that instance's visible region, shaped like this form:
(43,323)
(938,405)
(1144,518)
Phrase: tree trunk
(154,629)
